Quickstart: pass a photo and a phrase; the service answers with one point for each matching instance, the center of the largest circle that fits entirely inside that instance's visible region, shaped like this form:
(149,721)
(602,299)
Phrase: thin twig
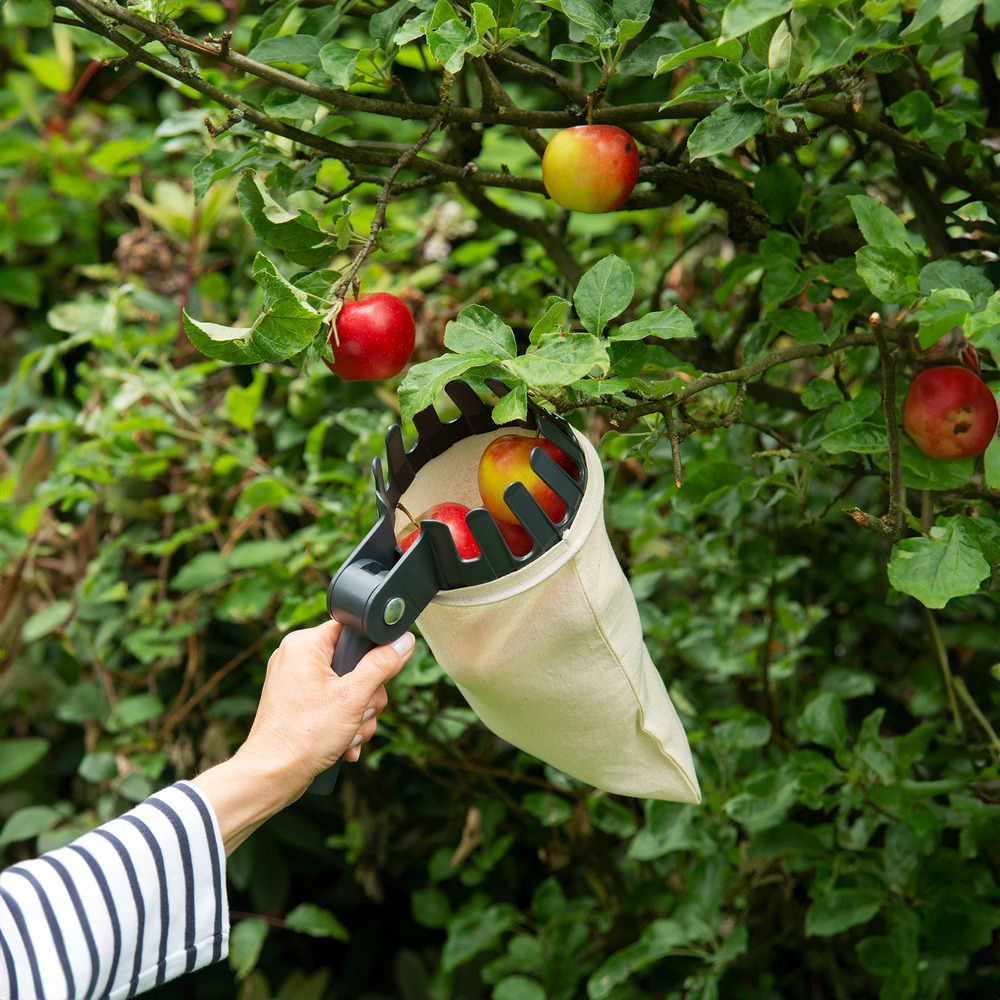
(942,658)
(977,712)
(890,524)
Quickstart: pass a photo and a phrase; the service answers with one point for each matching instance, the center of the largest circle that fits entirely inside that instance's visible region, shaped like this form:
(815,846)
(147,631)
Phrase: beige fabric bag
(551,657)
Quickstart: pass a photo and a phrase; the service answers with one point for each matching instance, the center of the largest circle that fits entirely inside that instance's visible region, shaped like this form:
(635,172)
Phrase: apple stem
(413,520)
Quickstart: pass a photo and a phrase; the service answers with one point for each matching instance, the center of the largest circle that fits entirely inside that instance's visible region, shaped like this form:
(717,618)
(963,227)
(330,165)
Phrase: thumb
(380,665)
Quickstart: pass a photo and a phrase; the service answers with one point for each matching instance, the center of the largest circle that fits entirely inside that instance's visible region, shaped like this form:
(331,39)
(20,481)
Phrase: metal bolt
(394,611)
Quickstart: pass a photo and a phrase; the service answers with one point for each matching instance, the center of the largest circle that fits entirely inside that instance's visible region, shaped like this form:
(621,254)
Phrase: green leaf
(838,909)
(552,319)
(478,329)
(861,439)
(97,767)
(518,988)
(260,552)
(575,53)
(823,721)
(430,907)
(275,224)
(779,189)
(560,360)
(594,16)
(202,570)
(474,930)
(644,58)
(743,15)
(937,568)
(424,381)
(513,405)
(889,273)
(940,312)
(18,755)
(880,225)
(548,808)
(338,62)
(303,49)
(46,620)
(241,402)
(604,292)
(134,711)
(668,324)
(730,51)
(953,274)
(451,40)
(748,731)
(29,822)
(803,326)
(658,939)
(246,940)
(765,800)
(287,324)
(307,918)
(725,129)
(247,600)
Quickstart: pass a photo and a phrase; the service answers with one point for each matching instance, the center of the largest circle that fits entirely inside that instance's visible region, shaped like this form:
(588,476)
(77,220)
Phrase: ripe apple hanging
(372,338)
(590,168)
(950,412)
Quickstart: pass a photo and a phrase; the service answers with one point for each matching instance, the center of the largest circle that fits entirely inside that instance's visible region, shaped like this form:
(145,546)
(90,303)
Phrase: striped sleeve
(124,908)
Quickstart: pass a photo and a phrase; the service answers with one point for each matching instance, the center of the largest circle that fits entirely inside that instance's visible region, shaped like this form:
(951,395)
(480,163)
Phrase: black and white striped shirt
(120,910)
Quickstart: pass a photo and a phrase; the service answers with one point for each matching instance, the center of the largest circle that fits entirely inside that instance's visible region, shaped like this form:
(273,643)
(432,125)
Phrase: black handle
(351,646)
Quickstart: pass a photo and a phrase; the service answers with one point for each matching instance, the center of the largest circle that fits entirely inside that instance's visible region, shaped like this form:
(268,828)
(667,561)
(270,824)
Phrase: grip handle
(351,647)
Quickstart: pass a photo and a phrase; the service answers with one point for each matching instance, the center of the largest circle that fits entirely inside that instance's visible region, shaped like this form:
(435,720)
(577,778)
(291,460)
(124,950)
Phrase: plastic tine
(557,480)
(428,443)
(492,547)
(531,516)
(477,416)
(401,473)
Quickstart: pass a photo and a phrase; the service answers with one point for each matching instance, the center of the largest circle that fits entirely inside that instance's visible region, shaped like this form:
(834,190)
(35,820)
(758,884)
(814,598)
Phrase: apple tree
(812,231)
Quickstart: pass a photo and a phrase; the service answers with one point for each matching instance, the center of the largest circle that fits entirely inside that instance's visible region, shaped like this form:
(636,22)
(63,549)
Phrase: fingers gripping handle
(351,647)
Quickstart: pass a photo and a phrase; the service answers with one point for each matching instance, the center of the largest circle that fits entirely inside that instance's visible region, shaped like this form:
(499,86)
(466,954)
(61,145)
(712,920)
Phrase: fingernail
(369,714)
(404,643)
(356,742)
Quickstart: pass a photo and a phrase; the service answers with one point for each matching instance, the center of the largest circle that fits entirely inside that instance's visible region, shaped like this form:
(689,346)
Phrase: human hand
(307,718)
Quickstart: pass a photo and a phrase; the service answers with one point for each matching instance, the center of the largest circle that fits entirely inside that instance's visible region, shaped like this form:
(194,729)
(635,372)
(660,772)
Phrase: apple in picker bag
(452,515)
(372,338)
(590,168)
(506,460)
(950,412)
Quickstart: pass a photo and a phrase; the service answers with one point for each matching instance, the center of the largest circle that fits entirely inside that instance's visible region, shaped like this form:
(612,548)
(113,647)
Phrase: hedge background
(821,598)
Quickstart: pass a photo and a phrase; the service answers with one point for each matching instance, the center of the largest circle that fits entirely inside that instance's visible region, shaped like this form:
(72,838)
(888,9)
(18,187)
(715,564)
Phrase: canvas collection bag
(551,656)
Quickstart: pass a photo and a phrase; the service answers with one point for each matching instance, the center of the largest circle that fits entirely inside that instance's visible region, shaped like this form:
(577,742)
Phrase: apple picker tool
(547,647)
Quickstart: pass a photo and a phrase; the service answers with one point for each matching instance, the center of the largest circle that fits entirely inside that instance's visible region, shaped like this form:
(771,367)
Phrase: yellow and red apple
(506,460)
(590,168)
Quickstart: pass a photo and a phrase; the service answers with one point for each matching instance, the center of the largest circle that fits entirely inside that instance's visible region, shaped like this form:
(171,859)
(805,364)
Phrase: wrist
(247,790)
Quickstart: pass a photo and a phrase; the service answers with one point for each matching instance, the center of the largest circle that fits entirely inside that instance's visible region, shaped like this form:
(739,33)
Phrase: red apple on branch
(590,168)
(506,460)
(372,338)
(452,515)
(949,412)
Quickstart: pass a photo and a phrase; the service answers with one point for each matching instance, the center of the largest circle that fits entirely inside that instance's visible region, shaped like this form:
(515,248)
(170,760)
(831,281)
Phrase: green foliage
(180,474)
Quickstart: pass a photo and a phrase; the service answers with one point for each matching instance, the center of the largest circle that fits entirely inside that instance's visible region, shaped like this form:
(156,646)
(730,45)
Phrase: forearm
(246,791)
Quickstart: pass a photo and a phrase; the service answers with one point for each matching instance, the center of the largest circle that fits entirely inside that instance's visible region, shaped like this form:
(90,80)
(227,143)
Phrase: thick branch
(403,110)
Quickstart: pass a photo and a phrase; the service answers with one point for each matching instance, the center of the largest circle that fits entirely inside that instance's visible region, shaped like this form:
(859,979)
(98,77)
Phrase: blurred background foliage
(166,517)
